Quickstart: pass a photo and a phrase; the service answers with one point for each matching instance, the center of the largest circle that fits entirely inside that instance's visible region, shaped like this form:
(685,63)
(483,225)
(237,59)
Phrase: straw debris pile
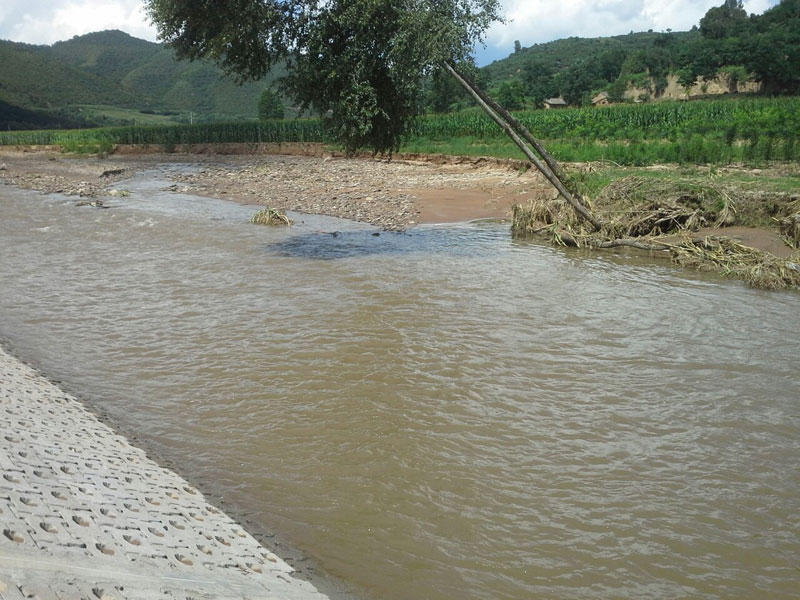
(760,269)
(270,216)
(790,229)
(661,215)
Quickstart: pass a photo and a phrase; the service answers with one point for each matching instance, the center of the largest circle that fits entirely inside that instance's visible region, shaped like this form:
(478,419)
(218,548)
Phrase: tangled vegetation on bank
(666,214)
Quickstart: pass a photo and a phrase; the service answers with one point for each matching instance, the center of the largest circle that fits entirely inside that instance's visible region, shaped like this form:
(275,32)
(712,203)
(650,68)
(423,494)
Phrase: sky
(529,21)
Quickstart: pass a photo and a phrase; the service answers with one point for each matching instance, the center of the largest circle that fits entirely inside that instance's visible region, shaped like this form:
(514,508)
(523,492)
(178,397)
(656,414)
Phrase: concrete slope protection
(84,514)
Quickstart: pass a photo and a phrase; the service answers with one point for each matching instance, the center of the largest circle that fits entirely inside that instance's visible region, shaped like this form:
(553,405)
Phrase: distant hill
(111,54)
(572,68)
(110,77)
(728,51)
(562,54)
(89,75)
(193,86)
(31,77)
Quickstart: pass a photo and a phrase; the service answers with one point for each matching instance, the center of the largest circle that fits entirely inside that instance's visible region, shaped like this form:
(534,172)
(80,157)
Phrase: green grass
(770,181)
(750,130)
(91,147)
(463,146)
(728,119)
(117,114)
(694,150)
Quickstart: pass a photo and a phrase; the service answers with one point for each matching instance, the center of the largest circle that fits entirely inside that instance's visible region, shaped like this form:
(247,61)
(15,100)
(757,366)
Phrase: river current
(444,413)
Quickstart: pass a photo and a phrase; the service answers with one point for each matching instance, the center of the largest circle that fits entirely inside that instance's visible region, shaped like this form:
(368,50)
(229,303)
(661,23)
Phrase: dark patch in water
(332,245)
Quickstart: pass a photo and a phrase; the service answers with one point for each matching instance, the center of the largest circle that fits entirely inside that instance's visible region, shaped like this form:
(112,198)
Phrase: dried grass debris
(724,255)
(789,228)
(272,217)
(541,214)
(646,214)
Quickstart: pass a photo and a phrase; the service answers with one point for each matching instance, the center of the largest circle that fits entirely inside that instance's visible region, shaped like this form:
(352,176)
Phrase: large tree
(773,52)
(358,63)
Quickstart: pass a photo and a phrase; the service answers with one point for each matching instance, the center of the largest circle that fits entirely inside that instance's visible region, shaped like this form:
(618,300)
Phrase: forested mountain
(31,77)
(111,54)
(114,69)
(565,53)
(727,42)
(577,68)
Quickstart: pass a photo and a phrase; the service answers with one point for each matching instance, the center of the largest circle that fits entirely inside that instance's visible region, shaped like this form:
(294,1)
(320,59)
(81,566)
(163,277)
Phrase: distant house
(601,99)
(555,103)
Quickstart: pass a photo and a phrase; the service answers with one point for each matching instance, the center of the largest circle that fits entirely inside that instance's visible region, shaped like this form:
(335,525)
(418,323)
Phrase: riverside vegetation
(682,212)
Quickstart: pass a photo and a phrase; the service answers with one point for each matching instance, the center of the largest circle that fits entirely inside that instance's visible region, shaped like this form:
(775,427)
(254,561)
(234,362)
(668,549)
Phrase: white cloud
(529,21)
(758,6)
(42,22)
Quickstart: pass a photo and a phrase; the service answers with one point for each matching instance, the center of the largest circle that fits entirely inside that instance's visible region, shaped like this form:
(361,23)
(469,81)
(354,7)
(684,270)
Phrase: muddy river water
(439,414)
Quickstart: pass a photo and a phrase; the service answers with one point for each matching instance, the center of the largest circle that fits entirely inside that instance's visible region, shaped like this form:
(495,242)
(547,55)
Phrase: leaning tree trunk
(517,131)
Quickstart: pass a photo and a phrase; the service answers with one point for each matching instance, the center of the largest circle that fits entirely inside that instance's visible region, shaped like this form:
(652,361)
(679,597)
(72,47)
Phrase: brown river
(438,414)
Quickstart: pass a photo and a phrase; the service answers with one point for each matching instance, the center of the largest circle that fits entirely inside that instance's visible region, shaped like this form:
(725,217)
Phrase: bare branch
(579,207)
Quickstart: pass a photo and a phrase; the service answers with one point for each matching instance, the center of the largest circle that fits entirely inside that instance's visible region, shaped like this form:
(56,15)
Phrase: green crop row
(737,119)
(690,150)
(750,129)
(249,132)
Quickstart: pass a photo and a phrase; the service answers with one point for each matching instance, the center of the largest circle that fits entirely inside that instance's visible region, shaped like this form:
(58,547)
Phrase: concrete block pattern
(84,514)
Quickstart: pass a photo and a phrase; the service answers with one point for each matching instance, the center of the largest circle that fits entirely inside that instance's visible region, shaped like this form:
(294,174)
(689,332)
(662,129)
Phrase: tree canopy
(724,21)
(360,64)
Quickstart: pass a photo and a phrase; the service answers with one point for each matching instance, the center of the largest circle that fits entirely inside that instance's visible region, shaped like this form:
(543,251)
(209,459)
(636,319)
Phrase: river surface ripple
(441,414)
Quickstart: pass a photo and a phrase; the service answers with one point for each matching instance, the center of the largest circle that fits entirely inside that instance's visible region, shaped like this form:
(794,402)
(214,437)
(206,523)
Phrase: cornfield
(250,132)
(728,119)
(707,132)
